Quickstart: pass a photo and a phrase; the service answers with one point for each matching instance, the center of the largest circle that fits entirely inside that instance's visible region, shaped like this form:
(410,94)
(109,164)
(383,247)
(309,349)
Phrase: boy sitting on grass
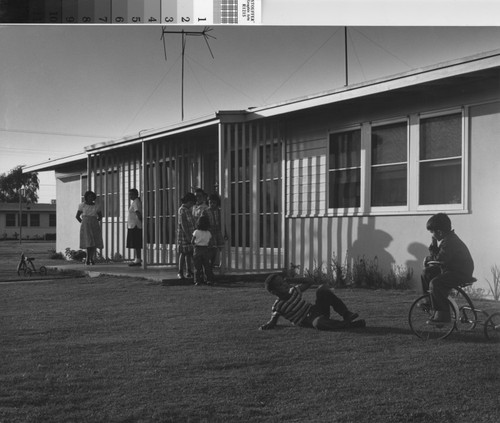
(300,312)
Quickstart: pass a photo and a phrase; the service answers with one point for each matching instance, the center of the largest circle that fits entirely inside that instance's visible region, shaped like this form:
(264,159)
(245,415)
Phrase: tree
(11,183)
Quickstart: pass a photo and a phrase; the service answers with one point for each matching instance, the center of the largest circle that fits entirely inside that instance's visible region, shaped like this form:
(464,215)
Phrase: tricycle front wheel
(492,327)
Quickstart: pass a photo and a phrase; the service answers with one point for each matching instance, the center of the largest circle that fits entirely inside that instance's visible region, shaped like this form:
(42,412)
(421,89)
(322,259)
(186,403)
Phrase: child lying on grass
(293,307)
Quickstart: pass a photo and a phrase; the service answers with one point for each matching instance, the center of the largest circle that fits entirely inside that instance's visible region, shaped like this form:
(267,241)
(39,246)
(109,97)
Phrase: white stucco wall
(68,198)
(403,239)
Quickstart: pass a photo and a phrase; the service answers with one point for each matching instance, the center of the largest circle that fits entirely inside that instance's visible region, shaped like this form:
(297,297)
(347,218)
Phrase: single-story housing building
(30,221)
(353,172)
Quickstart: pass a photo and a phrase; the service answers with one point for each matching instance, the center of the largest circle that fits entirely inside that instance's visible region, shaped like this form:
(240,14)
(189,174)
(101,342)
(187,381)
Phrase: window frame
(464,168)
(412,206)
(35,220)
(8,222)
(346,211)
(385,209)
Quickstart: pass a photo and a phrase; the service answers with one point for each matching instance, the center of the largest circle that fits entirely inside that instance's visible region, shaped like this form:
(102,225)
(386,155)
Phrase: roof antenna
(346,59)
(205,34)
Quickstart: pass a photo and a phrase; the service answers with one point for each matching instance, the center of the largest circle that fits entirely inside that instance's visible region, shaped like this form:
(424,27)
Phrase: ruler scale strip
(164,12)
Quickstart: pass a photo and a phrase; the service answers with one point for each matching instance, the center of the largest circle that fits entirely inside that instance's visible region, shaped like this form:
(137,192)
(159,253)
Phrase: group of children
(199,236)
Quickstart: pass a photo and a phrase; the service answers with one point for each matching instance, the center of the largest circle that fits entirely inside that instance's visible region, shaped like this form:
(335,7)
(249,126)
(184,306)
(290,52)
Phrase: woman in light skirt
(89,215)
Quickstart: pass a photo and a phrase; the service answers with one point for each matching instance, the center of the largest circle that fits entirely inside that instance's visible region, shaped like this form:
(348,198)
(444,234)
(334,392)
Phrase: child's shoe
(425,305)
(439,319)
(361,323)
(349,316)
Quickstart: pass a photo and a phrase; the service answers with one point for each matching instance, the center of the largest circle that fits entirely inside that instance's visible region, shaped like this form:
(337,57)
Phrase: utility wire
(199,84)
(356,54)
(62,134)
(301,65)
(139,110)
(225,82)
(14,150)
(382,47)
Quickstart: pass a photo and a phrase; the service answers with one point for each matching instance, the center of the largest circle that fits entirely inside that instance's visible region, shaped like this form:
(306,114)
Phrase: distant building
(38,221)
(353,172)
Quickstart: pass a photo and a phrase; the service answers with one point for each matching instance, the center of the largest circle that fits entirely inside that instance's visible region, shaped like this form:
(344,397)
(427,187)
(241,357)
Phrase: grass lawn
(124,350)
(10,254)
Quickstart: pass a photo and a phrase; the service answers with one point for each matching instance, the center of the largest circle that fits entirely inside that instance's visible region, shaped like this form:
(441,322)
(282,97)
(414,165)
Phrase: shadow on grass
(472,337)
(245,281)
(384,330)
(368,330)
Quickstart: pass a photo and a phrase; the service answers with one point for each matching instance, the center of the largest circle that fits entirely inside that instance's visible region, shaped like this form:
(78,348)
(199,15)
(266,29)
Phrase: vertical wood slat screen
(250,184)
(111,175)
(167,173)
(251,189)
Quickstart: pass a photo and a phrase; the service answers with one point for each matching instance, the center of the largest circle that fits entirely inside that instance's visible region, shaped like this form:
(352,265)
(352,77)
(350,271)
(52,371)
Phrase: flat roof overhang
(153,134)
(56,163)
(441,72)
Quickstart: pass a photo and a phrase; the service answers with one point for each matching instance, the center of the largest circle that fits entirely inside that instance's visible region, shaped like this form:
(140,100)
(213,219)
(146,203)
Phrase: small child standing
(300,312)
(202,240)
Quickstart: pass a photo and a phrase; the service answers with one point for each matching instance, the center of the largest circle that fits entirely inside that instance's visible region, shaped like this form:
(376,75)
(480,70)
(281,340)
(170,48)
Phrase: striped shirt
(185,226)
(294,308)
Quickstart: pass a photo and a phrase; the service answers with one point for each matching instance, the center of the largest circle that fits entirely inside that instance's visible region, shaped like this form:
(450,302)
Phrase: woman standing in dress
(89,215)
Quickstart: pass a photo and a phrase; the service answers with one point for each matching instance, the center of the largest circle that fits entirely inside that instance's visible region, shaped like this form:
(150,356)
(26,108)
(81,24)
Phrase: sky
(66,87)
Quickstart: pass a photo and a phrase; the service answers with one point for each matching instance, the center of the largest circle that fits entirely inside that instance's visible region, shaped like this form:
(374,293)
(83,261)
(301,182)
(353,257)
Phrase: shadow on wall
(419,251)
(372,243)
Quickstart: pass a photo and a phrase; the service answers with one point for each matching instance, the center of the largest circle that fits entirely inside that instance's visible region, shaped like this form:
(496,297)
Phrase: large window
(52,219)
(10,219)
(345,169)
(34,219)
(415,163)
(389,165)
(441,160)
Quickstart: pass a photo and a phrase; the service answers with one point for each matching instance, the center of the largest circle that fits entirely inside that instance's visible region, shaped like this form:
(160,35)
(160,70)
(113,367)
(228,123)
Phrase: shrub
(475,293)
(76,255)
(495,283)
(117,257)
(362,273)
(341,273)
(319,275)
(399,277)
(53,255)
(366,273)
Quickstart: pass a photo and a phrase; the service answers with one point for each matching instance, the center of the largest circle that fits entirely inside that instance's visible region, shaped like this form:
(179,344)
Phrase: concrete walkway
(154,273)
(165,274)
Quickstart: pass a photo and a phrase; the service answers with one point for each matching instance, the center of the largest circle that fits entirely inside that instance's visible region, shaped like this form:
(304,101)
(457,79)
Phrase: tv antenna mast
(205,33)
(346,59)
